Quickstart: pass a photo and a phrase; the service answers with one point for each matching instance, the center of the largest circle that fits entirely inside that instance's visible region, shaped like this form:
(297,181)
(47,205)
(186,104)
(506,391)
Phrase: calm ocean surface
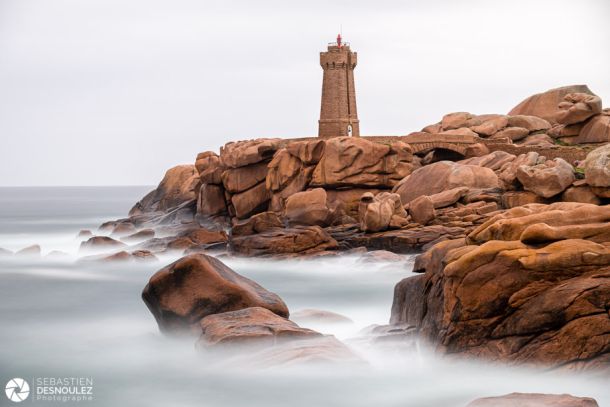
(60,318)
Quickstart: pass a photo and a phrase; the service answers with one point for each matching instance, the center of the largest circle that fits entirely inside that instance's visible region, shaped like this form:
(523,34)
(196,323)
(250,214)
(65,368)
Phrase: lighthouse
(338,114)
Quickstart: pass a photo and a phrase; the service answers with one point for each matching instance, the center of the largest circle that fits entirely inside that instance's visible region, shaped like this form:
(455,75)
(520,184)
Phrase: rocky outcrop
(179,185)
(297,240)
(546,105)
(534,400)
(125,256)
(522,128)
(139,236)
(529,286)
(100,243)
(342,185)
(180,295)
(244,324)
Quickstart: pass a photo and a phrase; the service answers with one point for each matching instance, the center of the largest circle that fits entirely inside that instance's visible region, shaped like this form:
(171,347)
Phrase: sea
(82,326)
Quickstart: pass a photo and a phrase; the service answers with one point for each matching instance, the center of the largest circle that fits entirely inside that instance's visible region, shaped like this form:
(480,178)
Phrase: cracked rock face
(530,286)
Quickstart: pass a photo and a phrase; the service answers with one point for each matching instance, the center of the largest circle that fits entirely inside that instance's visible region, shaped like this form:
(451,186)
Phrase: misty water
(62,318)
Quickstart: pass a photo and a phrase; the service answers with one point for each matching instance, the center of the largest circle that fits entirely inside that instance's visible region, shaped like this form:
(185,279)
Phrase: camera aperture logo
(55,389)
(17,390)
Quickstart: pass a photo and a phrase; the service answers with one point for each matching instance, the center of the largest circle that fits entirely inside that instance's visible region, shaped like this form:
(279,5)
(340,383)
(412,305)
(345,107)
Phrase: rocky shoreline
(509,212)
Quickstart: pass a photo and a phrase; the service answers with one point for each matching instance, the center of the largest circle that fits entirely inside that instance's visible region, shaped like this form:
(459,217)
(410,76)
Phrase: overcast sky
(114,92)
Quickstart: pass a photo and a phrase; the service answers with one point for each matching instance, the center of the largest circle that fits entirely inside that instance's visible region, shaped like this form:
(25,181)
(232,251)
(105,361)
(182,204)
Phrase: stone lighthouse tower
(338,115)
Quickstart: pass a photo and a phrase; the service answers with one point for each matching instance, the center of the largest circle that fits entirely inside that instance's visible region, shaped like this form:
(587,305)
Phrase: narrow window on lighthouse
(349,130)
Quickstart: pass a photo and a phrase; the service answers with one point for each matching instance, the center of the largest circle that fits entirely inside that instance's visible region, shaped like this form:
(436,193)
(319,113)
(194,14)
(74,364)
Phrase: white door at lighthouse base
(349,130)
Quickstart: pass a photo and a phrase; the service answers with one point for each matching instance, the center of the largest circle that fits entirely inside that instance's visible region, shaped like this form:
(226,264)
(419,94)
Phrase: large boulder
(548,179)
(179,185)
(597,167)
(578,107)
(181,294)
(356,162)
(377,213)
(444,175)
(545,105)
(308,208)
(253,326)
